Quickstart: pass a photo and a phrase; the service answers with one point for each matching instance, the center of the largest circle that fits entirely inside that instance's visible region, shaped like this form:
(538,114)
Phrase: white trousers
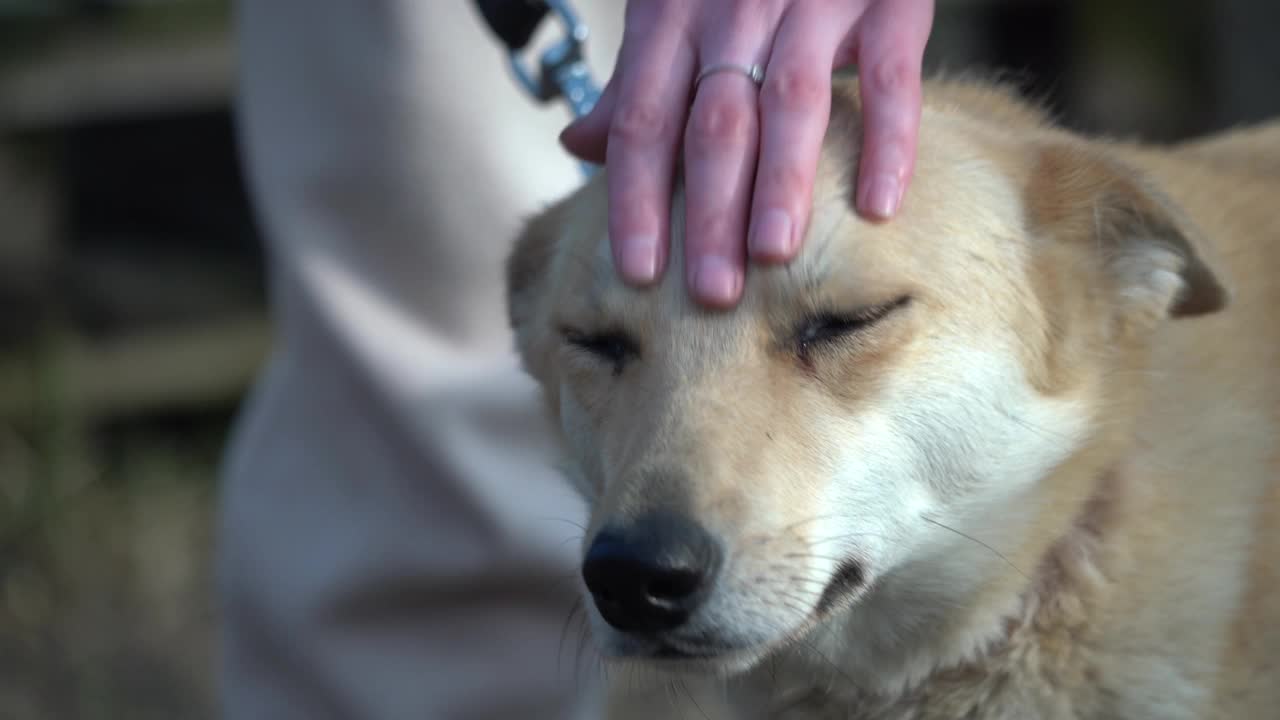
(394,542)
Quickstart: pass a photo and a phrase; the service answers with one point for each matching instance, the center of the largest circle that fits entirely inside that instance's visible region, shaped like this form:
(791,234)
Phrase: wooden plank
(173,370)
(97,79)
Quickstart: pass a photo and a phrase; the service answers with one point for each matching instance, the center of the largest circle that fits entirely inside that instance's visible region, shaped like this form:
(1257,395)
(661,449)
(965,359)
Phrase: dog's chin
(664,661)
(669,661)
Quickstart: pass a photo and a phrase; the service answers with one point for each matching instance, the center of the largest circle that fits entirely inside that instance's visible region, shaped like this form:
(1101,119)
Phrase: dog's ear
(527,265)
(527,270)
(1150,252)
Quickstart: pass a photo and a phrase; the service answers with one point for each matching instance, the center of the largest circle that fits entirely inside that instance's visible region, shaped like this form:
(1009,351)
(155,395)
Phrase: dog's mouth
(685,647)
(703,658)
(848,579)
(667,651)
(714,651)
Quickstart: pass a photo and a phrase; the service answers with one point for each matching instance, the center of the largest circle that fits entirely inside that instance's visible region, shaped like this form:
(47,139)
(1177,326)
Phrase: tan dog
(1011,455)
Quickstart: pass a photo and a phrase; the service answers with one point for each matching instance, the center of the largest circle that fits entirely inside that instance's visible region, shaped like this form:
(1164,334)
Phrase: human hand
(750,153)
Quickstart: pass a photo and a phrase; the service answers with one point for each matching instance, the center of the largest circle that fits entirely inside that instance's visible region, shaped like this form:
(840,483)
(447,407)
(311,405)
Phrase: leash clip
(562,69)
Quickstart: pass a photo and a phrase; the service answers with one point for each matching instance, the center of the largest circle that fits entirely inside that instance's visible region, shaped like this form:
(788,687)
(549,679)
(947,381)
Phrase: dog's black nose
(651,575)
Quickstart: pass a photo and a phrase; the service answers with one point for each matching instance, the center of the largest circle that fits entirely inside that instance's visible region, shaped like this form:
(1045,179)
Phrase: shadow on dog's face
(867,411)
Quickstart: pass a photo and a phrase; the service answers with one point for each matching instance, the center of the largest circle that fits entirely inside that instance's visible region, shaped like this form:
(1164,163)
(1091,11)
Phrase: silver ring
(754,72)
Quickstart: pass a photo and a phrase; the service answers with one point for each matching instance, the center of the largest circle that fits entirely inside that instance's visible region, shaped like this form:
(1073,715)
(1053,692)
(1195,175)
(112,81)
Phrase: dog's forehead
(960,223)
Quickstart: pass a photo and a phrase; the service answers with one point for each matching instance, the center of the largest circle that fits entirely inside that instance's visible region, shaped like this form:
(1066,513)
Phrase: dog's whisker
(786,529)
(564,520)
(564,631)
(997,553)
(798,556)
(693,701)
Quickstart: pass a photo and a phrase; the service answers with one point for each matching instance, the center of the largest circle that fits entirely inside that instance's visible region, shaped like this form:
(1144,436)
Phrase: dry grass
(106,609)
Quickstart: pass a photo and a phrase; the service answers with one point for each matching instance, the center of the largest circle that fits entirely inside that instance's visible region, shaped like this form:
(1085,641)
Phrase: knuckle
(792,87)
(664,7)
(638,122)
(719,120)
(743,19)
(633,210)
(891,77)
(648,10)
(643,19)
(705,227)
(785,183)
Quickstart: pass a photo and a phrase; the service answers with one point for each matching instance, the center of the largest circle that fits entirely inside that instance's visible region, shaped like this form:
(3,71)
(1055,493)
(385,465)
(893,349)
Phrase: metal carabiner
(562,69)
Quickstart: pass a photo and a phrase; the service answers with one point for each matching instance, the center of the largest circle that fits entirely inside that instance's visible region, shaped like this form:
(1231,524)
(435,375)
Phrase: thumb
(587,137)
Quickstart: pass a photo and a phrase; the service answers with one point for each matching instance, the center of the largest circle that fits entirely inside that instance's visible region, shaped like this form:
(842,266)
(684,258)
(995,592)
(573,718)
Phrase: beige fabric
(394,542)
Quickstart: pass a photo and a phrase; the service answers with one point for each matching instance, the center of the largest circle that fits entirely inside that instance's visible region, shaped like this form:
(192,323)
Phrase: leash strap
(513,21)
(561,70)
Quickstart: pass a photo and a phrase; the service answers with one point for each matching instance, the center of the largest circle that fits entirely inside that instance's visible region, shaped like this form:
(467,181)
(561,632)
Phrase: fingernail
(771,237)
(882,196)
(716,281)
(639,258)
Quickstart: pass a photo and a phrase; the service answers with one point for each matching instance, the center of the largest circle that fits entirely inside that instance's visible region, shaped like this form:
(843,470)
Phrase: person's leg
(393,536)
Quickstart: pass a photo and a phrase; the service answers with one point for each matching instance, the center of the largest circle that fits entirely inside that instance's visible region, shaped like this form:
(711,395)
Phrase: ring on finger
(754,72)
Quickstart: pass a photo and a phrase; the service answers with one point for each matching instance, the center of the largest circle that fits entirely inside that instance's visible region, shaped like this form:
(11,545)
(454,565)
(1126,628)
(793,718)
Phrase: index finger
(656,66)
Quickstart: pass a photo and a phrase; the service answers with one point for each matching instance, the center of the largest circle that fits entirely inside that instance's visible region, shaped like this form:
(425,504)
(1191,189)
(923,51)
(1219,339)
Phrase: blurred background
(132,315)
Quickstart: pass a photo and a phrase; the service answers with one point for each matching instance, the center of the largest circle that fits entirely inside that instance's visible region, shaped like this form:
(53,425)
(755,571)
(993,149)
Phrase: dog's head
(896,388)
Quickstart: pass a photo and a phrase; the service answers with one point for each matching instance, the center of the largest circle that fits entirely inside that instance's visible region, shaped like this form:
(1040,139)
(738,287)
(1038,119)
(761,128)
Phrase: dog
(1010,455)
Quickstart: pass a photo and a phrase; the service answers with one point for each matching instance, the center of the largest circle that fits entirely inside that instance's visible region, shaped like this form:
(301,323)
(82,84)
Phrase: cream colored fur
(1055,464)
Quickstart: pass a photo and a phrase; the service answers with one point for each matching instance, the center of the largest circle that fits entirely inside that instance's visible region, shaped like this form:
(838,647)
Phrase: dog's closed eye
(613,347)
(828,328)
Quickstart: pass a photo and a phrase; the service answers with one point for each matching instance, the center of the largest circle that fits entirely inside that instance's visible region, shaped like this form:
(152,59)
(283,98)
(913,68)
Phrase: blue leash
(561,71)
